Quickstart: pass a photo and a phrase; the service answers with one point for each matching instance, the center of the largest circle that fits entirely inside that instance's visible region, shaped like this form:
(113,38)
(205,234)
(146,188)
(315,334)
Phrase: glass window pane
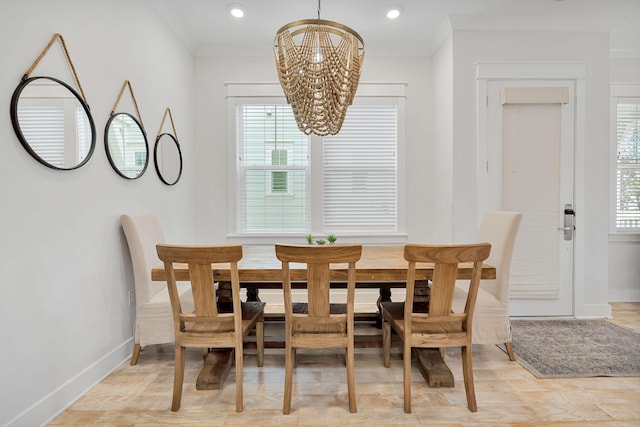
(628,167)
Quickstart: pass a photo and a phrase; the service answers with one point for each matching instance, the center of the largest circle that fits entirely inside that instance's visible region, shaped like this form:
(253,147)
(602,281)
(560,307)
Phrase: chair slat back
(318,290)
(204,299)
(446,259)
(199,260)
(318,260)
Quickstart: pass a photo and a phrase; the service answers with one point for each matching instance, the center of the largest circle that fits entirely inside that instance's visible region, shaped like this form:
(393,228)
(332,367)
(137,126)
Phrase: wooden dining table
(381,267)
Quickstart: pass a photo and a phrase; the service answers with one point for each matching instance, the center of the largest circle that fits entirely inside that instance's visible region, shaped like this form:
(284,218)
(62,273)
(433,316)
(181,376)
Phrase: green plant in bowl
(309,238)
(331,239)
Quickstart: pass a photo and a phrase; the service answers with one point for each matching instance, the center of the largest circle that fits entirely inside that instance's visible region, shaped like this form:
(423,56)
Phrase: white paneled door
(530,157)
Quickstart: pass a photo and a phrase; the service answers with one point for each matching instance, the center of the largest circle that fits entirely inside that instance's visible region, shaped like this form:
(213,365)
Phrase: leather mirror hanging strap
(133,97)
(168,111)
(55,37)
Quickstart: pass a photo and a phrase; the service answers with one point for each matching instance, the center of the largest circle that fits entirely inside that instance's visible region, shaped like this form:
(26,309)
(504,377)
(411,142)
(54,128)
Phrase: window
(627,164)
(273,170)
(360,172)
(289,183)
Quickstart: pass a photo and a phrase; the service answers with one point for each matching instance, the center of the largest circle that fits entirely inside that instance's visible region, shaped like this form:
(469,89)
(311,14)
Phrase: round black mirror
(126,144)
(168,158)
(53,123)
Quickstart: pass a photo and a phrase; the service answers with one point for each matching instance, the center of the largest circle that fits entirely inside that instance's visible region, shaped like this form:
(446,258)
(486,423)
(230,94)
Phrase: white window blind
(83,132)
(271,150)
(290,184)
(55,124)
(43,127)
(360,172)
(628,164)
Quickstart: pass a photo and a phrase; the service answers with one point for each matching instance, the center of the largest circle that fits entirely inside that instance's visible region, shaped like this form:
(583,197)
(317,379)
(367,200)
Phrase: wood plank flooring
(507,394)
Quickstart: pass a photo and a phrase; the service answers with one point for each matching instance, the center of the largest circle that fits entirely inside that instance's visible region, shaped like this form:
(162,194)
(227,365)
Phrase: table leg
(253,294)
(433,368)
(430,361)
(385,296)
(216,368)
(217,362)
(224,292)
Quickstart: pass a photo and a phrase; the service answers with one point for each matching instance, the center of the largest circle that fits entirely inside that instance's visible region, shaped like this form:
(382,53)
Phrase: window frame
(619,92)
(265,93)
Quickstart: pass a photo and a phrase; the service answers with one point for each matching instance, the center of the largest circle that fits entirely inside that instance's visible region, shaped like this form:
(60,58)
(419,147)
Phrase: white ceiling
(206,28)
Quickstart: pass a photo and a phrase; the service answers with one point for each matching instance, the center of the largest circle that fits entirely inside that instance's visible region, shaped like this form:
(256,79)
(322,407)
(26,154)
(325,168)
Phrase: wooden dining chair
(314,325)
(211,324)
(439,327)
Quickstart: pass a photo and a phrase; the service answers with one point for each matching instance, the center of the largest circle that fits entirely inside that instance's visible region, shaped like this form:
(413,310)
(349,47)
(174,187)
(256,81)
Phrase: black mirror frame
(106,146)
(155,158)
(23,140)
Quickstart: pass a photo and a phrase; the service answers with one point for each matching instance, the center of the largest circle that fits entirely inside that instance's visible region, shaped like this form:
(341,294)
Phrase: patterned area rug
(576,348)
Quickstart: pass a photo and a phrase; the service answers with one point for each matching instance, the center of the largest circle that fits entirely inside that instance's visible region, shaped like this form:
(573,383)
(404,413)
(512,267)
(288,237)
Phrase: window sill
(366,239)
(624,237)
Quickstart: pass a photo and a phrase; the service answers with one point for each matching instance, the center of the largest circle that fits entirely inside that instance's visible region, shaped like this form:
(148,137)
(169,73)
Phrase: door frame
(487,72)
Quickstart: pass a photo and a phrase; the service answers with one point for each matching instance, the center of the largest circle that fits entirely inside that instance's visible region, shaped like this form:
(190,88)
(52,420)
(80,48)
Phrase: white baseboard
(593,311)
(53,404)
(624,295)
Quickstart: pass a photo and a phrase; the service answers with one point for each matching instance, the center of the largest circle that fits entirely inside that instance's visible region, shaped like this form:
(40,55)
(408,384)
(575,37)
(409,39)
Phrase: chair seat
(303,308)
(160,306)
(250,309)
(393,312)
(154,319)
(490,320)
(252,312)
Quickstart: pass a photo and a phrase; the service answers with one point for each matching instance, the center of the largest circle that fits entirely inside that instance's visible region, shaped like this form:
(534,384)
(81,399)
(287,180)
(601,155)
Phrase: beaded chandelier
(319,64)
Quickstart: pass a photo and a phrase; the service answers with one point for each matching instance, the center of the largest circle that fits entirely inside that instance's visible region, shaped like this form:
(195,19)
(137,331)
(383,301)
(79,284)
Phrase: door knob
(569,222)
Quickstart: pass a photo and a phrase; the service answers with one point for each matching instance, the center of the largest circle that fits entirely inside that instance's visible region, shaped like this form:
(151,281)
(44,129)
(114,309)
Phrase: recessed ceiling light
(236,10)
(394,11)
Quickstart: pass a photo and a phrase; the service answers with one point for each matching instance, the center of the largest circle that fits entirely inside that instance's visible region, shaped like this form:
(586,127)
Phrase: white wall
(442,161)
(624,251)
(66,320)
(592,157)
(624,268)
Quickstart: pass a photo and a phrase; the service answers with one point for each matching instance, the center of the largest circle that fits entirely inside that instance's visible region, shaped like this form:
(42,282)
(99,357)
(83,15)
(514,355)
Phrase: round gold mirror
(53,123)
(168,158)
(126,144)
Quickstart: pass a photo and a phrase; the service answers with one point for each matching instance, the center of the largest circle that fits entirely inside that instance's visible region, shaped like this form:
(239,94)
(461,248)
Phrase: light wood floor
(507,394)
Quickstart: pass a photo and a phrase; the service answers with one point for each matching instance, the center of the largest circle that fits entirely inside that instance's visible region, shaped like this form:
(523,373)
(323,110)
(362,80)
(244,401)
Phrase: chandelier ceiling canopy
(319,64)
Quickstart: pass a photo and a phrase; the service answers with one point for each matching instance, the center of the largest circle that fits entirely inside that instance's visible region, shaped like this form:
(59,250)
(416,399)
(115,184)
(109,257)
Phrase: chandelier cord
(318,9)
